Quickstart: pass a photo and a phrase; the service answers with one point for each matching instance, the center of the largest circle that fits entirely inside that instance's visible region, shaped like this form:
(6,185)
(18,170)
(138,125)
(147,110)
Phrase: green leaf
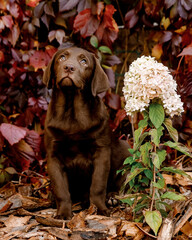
(137,154)
(173,196)
(2,177)
(153,219)
(145,148)
(158,157)
(142,138)
(156,114)
(155,159)
(149,174)
(137,134)
(174,170)
(162,155)
(179,147)
(136,165)
(107,1)
(133,174)
(11,170)
(156,135)
(160,183)
(131,150)
(144,180)
(105,49)
(94,41)
(128,201)
(172,131)
(143,123)
(129,160)
(168,206)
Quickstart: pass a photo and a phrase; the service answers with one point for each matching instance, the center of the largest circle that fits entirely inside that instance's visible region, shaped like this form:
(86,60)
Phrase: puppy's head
(76,67)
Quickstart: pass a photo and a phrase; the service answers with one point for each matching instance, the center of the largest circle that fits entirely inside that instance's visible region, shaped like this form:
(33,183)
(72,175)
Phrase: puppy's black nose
(69,68)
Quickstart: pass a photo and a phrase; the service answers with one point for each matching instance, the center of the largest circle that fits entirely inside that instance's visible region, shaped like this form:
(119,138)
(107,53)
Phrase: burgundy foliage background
(31,31)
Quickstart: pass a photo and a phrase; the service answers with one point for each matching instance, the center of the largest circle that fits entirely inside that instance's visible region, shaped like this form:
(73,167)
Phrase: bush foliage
(31,31)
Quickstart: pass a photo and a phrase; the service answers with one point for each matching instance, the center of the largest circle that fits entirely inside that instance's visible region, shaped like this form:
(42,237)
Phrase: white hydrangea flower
(147,79)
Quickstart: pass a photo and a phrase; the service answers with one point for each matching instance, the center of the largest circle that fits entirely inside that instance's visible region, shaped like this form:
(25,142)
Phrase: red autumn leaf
(97,8)
(111,76)
(50,50)
(1,142)
(66,5)
(8,21)
(120,115)
(86,23)
(34,140)
(167,36)
(38,103)
(108,29)
(131,18)
(32,3)
(186,51)
(39,59)
(2,57)
(14,10)
(25,150)
(113,101)
(59,35)
(12,133)
(14,35)
(188,61)
(49,9)
(112,60)
(3,4)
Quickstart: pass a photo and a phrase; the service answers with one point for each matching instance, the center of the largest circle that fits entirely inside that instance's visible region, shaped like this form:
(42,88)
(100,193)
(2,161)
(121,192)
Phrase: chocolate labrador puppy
(82,154)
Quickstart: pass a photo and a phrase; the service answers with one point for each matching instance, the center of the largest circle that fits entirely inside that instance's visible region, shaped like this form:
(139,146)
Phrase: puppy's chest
(75,153)
(75,121)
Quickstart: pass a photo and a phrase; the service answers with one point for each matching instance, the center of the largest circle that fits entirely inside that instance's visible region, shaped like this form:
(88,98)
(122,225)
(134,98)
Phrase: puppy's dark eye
(62,58)
(83,61)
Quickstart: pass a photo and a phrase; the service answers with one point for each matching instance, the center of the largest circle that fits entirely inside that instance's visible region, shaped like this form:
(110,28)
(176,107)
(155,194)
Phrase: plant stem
(132,128)
(154,179)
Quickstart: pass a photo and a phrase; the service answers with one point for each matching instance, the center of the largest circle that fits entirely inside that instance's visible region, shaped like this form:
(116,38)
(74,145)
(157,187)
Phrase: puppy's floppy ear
(100,82)
(49,71)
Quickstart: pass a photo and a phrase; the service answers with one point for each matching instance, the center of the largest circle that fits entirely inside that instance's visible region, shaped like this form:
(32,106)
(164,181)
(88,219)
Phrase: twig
(132,128)
(150,235)
(185,217)
(119,9)
(154,179)
(122,69)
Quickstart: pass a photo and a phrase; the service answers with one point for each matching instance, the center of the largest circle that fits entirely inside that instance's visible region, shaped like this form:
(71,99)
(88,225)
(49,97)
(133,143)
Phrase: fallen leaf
(14,221)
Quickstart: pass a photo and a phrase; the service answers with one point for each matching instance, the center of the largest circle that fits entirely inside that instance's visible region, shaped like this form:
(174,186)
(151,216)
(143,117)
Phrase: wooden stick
(183,220)
(166,231)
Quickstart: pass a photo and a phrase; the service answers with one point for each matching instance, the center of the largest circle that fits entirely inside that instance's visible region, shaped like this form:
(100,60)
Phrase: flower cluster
(147,79)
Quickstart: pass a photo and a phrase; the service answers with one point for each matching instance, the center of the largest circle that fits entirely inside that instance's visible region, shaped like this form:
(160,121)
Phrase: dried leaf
(12,133)
(14,221)
(157,51)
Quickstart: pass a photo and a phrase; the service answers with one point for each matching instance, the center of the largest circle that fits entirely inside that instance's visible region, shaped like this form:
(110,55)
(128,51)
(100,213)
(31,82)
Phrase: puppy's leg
(99,179)
(60,186)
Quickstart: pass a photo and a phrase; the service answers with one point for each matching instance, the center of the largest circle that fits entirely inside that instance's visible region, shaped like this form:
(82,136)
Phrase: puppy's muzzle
(69,68)
(66,82)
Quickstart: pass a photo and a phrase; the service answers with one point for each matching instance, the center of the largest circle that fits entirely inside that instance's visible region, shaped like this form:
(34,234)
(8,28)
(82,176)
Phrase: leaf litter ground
(23,216)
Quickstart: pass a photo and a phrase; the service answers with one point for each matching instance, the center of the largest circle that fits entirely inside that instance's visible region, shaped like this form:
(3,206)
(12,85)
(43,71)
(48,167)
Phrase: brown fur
(82,154)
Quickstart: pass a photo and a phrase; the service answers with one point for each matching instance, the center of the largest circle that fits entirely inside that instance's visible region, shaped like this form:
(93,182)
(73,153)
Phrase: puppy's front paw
(105,212)
(63,217)
(64,211)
